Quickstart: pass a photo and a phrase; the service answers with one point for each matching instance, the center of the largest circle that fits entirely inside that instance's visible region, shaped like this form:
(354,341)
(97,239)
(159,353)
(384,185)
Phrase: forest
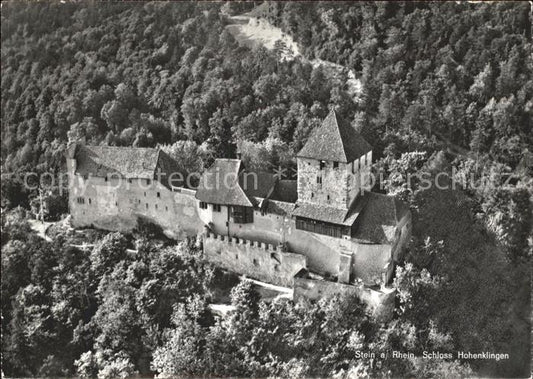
(446,87)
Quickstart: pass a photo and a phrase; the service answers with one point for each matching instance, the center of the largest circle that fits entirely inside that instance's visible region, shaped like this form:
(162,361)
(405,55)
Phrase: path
(40,228)
(284,292)
(252,31)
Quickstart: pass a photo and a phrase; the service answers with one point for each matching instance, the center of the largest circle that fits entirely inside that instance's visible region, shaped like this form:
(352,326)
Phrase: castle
(322,233)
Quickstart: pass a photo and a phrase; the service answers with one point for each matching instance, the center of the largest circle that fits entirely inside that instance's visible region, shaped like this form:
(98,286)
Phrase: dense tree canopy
(445,87)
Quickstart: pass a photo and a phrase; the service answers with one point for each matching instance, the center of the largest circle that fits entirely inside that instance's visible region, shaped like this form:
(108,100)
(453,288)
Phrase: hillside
(434,87)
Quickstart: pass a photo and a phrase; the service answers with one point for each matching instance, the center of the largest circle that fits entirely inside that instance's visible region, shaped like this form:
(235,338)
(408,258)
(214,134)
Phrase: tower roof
(335,140)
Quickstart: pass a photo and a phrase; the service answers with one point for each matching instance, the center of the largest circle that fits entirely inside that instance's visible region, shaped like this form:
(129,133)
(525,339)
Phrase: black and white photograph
(263,189)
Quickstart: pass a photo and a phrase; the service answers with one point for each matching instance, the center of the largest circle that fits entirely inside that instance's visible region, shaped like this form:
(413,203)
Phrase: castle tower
(334,165)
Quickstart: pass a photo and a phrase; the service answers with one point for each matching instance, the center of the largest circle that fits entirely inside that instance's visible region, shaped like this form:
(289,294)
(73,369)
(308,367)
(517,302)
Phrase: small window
(322,165)
(203,205)
(312,195)
(105,178)
(217,208)
(145,194)
(85,177)
(335,164)
(90,201)
(236,256)
(116,204)
(139,201)
(256,262)
(155,206)
(148,181)
(166,208)
(159,194)
(319,180)
(129,180)
(328,197)
(146,205)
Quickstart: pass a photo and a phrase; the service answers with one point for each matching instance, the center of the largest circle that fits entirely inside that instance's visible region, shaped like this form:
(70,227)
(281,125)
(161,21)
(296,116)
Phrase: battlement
(255,259)
(241,241)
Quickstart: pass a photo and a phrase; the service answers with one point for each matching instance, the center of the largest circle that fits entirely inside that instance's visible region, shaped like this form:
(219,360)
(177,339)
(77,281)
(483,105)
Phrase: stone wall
(380,303)
(340,185)
(371,262)
(332,191)
(254,259)
(117,205)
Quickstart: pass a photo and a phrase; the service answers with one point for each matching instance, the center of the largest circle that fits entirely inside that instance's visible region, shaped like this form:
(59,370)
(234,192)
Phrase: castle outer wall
(118,204)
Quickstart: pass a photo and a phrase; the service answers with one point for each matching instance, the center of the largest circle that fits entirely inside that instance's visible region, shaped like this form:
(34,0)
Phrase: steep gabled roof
(379,219)
(220,184)
(257,183)
(128,162)
(285,190)
(333,215)
(335,140)
(319,212)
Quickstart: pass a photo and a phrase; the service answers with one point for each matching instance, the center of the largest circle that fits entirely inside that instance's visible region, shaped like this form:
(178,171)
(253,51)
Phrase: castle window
(116,204)
(335,164)
(256,262)
(139,201)
(320,227)
(146,205)
(145,194)
(148,181)
(328,197)
(322,164)
(312,195)
(80,200)
(159,194)
(166,208)
(319,180)
(203,205)
(90,201)
(105,178)
(217,208)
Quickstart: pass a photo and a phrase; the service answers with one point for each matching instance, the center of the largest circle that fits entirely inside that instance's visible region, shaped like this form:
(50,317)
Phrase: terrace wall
(380,303)
(252,258)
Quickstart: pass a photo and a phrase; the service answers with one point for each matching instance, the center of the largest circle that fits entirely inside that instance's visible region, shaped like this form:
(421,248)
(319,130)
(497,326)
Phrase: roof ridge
(123,147)
(157,161)
(339,132)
